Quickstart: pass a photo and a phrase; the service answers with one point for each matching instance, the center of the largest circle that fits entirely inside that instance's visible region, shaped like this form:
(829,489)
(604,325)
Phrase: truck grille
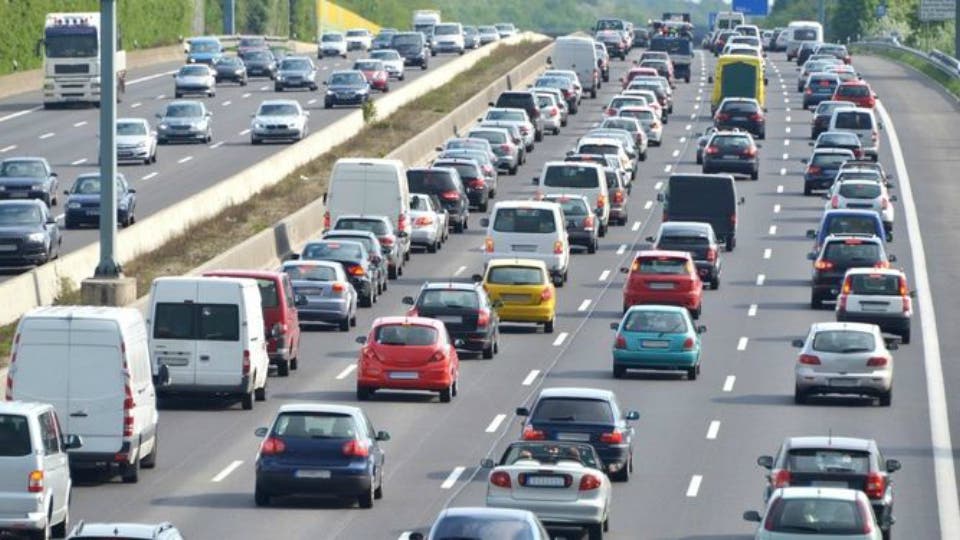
(65,69)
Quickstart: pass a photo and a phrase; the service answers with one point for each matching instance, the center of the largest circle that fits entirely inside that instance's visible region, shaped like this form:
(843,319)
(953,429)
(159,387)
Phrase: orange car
(663,277)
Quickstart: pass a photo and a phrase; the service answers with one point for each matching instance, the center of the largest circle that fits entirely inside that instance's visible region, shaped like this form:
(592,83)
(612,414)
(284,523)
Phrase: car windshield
(87,185)
(204,47)
(572,176)
(184,110)
(571,207)
(861,224)
(829,160)
(550,453)
(664,266)
(315,425)
(860,190)
(295,64)
(419,202)
(819,516)
(309,272)
(483,528)
(513,116)
(843,341)
(278,109)
(376,226)
(13,215)
(411,335)
(368,65)
(257,56)
(563,409)
(338,251)
(551,82)
(664,322)
(621,102)
(22,169)
(406,39)
(194,71)
(331,38)
(516,275)
(14,436)
(524,220)
(131,128)
(449,298)
(346,79)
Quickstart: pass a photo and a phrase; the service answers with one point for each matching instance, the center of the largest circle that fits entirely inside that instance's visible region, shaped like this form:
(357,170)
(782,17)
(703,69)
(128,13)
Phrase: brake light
(835,201)
(618,197)
(610,111)
(488,244)
(246,362)
(781,478)
(355,448)
(387,241)
(356,270)
(882,264)
(876,361)
(613,437)
(823,265)
(733,218)
(553,111)
(451,195)
(809,359)
(423,221)
(128,405)
(272,446)
(476,183)
(601,201)
(712,254)
(842,301)
(588,223)
(483,318)
(756,117)
(487,169)
(712,150)
(338,287)
(621,342)
(847,286)
(35,482)
(326,221)
(876,485)
(506,148)
(501,479)
(402,222)
(809,90)
(749,152)
(532,434)
(589,482)
(722,116)
(438,356)
(546,294)
(814,169)
(557,247)
(688,344)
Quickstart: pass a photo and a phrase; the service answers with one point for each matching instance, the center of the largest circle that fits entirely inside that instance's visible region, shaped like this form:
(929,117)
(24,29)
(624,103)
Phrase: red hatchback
(857,92)
(407,353)
(636,72)
(375,73)
(663,277)
(280,319)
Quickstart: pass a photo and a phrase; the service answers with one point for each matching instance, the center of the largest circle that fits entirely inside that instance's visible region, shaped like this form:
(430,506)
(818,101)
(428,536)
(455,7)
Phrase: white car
(429,222)
(136,140)
(816,513)
(863,194)
(558,99)
(195,79)
(877,296)
(648,118)
(359,38)
(448,37)
(332,44)
(279,119)
(127,531)
(844,358)
(392,62)
(550,110)
(561,482)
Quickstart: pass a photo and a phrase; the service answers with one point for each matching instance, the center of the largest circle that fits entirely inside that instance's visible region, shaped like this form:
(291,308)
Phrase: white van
(862,122)
(371,187)
(728,20)
(578,178)
(578,54)
(530,230)
(208,332)
(93,365)
(800,31)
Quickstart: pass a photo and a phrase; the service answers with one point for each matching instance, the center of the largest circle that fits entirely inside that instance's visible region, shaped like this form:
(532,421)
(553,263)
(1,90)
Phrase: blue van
(844,221)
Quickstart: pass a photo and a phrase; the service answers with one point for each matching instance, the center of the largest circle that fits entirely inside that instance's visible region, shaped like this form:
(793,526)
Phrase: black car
(348,87)
(260,64)
(412,46)
(732,152)
(355,260)
(743,113)
(446,184)
(29,234)
(28,178)
(838,254)
(697,239)
(822,168)
(846,462)
(582,224)
(478,191)
(526,101)
(822,115)
(384,39)
(465,309)
(230,68)
(819,87)
(376,252)
(296,72)
(83,202)
(707,198)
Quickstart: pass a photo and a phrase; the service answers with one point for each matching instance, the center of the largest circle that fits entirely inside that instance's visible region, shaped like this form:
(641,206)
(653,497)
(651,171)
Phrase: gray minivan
(707,198)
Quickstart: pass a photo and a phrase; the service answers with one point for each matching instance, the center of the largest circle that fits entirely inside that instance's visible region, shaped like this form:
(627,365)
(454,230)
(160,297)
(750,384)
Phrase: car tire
(695,313)
(643,156)
(799,396)
(488,351)
(458,226)
(556,131)
(363,393)
(367,300)
(715,283)
(255,141)
(246,401)
(483,206)
(731,243)
(378,493)
(177,95)
(365,499)
(260,497)
(513,170)
(699,159)
(886,398)
(623,475)
(595,531)
(432,248)
(593,93)
(446,395)
(619,371)
(815,301)
(592,248)
(149,461)
(693,372)
(402,77)
(130,472)
(755,175)
(548,327)
(905,337)
(807,191)
(260,394)
(283,369)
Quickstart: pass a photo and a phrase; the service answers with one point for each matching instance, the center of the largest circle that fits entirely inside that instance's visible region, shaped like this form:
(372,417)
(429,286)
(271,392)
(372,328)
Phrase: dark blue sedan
(321,450)
(822,168)
(347,87)
(83,202)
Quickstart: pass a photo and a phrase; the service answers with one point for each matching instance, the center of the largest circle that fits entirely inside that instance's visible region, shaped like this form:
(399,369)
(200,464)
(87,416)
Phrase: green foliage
(143,24)
(303,20)
(951,84)
(267,17)
(369,109)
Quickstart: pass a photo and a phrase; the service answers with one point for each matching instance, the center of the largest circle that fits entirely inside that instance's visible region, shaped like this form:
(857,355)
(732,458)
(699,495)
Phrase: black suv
(743,113)
(465,310)
(471,175)
(732,152)
(697,239)
(412,46)
(526,101)
(838,254)
(445,183)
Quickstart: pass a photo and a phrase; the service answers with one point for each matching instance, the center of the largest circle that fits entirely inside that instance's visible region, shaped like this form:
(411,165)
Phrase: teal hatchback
(655,337)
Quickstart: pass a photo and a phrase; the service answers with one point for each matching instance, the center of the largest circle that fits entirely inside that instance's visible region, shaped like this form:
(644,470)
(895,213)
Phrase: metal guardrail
(947,64)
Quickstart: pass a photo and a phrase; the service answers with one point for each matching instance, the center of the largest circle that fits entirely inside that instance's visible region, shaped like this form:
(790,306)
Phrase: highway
(696,442)
(68,137)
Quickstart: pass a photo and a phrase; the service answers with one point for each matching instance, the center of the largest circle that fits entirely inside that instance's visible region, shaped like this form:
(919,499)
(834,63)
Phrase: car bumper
(819,382)
(281,134)
(817,182)
(22,194)
(415,60)
(133,154)
(555,263)
(344,100)
(574,512)
(655,359)
(688,300)
(193,89)
(448,47)
(331,311)
(182,134)
(527,313)
(552,122)
(333,52)
(426,378)
(204,389)
(343,481)
(730,166)
(424,237)
(581,238)
(888,322)
(34,520)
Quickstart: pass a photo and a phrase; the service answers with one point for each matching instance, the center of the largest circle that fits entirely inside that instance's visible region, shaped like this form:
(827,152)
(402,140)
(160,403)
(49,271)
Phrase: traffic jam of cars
(229,333)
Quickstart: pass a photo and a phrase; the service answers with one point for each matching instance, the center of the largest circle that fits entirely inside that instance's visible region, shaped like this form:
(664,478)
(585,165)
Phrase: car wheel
(799,396)
(715,283)
(619,371)
(283,369)
(432,248)
(353,321)
(365,499)
(246,401)
(595,531)
(60,529)
(548,327)
(260,394)
(513,170)
(446,394)
(622,475)
(260,497)
(254,140)
(402,77)
(905,337)
(130,472)
(367,300)
(699,159)
(483,206)
(755,175)
(177,95)
(592,248)
(363,393)
(378,493)
(807,191)
(697,312)
(815,301)
(731,243)
(488,351)
(556,131)
(886,398)
(692,372)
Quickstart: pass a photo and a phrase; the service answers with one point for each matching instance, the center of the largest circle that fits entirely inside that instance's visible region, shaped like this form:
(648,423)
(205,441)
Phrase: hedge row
(143,23)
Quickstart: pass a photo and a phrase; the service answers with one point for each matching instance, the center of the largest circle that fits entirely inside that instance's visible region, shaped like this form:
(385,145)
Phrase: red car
(407,353)
(636,72)
(857,92)
(663,277)
(280,319)
(375,73)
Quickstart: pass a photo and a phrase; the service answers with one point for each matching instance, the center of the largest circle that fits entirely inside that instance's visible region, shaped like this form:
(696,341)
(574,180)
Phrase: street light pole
(108,266)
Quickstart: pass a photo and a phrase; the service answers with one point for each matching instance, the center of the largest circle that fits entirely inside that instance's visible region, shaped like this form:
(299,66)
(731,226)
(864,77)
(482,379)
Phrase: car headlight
(73,205)
(122,205)
(330,92)
(257,125)
(237,71)
(36,187)
(279,76)
(3,188)
(36,238)
(142,144)
(163,125)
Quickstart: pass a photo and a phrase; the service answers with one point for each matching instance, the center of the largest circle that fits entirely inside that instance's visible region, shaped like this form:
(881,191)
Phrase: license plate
(8,247)
(579,437)
(730,157)
(172,361)
(450,318)
(19,194)
(874,306)
(648,344)
(545,481)
(661,286)
(93,212)
(523,247)
(515,298)
(307,473)
(404,375)
(844,382)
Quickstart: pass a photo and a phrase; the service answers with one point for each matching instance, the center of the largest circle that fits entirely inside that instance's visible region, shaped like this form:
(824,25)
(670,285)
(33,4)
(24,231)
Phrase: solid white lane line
(452,479)
(135,105)
(694,486)
(604,275)
(946,481)
(216,144)
(227,470)
(584,305)
(149,176)
(760,279)
(6,149)
(621,249)
(767,253)
(676,153)
(245,96)
(18,114)
(495,423)
(459,270)
(647,205)
(226,103)
(636,225)
(81,123)
(245,132)
(752,312)
(742,343)
(773,230)
(346,372)
(184,160)
(667,168)
(151,77)
(658,185)
(728,383)
(79,161)
(560,339)
(47,135)
(713,430)
(532,376)
(776,209)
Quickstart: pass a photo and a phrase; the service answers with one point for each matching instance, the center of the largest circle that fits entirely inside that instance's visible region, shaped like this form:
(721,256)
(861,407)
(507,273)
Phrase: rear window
(843,341)
(510,116)
(805,34)
(655,321)
(405,335)
(852,225)
(268,293)
(492,137)
(819,516)
(643,115)
(844,253)
(483,527)
(310,273)
(516,275)
(205,322)
(14,436)
(375,226)
(573,410)
(367,242)
(853,120)
(875,284)
(337,251)
(315,425)
(664,266)
(466,171)
(597,149)
(739,106)
(730,142)
(683,241)
(573,176)
(838,139)
(619,103)
(452,298)
(859,191)
(853,90)
(700,194)
(832,161)
(832,460)
(525,220)
(431,181)
(571,207)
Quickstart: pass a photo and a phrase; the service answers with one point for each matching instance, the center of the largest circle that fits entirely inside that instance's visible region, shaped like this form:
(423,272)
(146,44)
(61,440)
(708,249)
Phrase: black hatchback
(697,239)
(445,183)
(743,113)
(355,260)
(465,309)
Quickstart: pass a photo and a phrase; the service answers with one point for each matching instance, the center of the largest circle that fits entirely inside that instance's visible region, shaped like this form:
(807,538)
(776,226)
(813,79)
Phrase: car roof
(280,102)
(656,307)
(25,408)
(819,493)
(485,512)
(126,530)
(577,393)
(869,271)
(455,285)
(320,407)
(516,262)
(686,226)
(364,217)
(405,320)
(252,274)
(830,441)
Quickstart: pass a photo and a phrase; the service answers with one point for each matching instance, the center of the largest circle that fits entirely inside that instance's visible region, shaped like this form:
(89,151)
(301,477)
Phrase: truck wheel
(246,401)
(261,393)
(149,461)
(283,368)
(130,473)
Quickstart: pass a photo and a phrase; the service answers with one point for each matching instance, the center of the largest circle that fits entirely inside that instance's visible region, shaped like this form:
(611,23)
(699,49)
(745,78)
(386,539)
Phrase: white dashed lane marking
(713,430)
(227,470)
(452,478)
(346,372)
(728,383)
(532,376)
(495,423)
(742,343)
(560,339)
(694,486)
(761,278)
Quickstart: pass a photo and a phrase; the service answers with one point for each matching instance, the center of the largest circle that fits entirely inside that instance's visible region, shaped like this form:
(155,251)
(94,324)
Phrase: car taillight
(557,247)
(823,265)
(272,446)
(476,183)
(882,264)
(402,222)
(749,152)
(589,482)
(876,361)
(483,318)
(338,287)
(756,117)
(501,479)
(613,437)
(532,434)
(712,150)
(438,356)
(326,221)
(524,130)
(618,196)
(355,448)
(588,223)
(554,111)
(722,116)
(423,221)
(733,218)
(876,485)
(601,201)
(546,294)
(809,91)
(712,254)
(610,111)
(128,405)
(781,478)
(356,270)
(621,342)
(809,359)
(387,241)
(506,147)
(246,362)
(688,344)
(835,202)
(813,169)
(451,195)
(35,482)
(488,245)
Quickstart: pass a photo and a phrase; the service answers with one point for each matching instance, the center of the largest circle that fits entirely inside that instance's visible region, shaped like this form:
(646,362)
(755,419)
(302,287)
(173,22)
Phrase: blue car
(847,221)
(83,202)
(204,50)
(320,449)
(822,168)
(657,338)
(587,415)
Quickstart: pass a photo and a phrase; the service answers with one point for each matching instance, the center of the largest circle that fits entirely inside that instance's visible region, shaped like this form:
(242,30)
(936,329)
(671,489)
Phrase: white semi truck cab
(71,59)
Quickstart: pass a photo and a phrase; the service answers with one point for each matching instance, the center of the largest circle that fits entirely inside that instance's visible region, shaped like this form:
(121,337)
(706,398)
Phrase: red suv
(663,277)
(857,92)
(280,320)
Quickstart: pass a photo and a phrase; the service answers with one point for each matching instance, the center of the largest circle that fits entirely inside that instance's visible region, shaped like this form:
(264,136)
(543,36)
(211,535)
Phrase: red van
(280,319)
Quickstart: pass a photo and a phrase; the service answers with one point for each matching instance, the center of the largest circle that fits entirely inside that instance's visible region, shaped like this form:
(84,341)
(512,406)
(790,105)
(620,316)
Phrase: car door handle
(79,414)
(205,357)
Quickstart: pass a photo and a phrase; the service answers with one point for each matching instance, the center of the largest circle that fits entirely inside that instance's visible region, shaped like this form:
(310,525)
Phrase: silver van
(529,230)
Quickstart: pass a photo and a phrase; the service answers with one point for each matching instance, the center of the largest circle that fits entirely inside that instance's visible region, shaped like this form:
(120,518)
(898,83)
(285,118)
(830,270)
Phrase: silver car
(185,121)
(865,195)
(332,44)
(429,222)
(484,524)
(845,358)
(136,140)
(508,154)
(550,110)
(195,79)
(323,293)
(279,119)
(392,62)
(514,116)
(128,531)
(558,98)
(816,513)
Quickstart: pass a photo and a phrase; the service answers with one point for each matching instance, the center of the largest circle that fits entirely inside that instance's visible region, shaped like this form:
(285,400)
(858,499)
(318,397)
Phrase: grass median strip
(209,238)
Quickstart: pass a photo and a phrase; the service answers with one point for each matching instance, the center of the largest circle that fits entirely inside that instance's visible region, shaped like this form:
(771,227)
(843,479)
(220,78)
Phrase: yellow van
(738,75)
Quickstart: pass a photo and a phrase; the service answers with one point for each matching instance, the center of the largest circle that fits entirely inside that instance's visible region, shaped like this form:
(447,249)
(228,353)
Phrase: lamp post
(108,266)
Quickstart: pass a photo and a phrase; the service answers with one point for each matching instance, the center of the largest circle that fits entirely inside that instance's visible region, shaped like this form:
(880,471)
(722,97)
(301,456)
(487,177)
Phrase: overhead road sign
(759,8)
(937,10)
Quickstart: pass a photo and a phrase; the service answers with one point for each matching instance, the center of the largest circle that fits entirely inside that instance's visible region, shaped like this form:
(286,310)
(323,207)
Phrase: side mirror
(536,179)
(208,114)
(765,461)
(484,222)
(631,415)
(798,343)
(439,149)
(893,465)
(624,270)
(415,536)
(804,160)
(912,294)
(382,436)
(174,75)
(325,83)
(72,442)
(408,300)
(491,104)
(811,233)
(749,515)
(614,326)
(702,329)
(158,115)
(477,278)
(710,79)
(293,257)
(51,220)
(811,256)
(459,343)
(809,143)
(362,340)
(54,174)
(66,192)
(162,377)
(300,300)
(261,431)
(403,234)
(497,304)
(487,463)
(742,200)
(131,190)
(522,411)
(549,60)
(892,258)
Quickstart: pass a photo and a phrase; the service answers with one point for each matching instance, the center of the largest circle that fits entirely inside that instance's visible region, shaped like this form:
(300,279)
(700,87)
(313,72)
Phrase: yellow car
(522,291)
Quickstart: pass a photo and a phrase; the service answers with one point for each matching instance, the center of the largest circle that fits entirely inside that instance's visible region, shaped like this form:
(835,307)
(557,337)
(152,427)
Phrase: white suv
(879,296)
(127,531)
(34,470)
